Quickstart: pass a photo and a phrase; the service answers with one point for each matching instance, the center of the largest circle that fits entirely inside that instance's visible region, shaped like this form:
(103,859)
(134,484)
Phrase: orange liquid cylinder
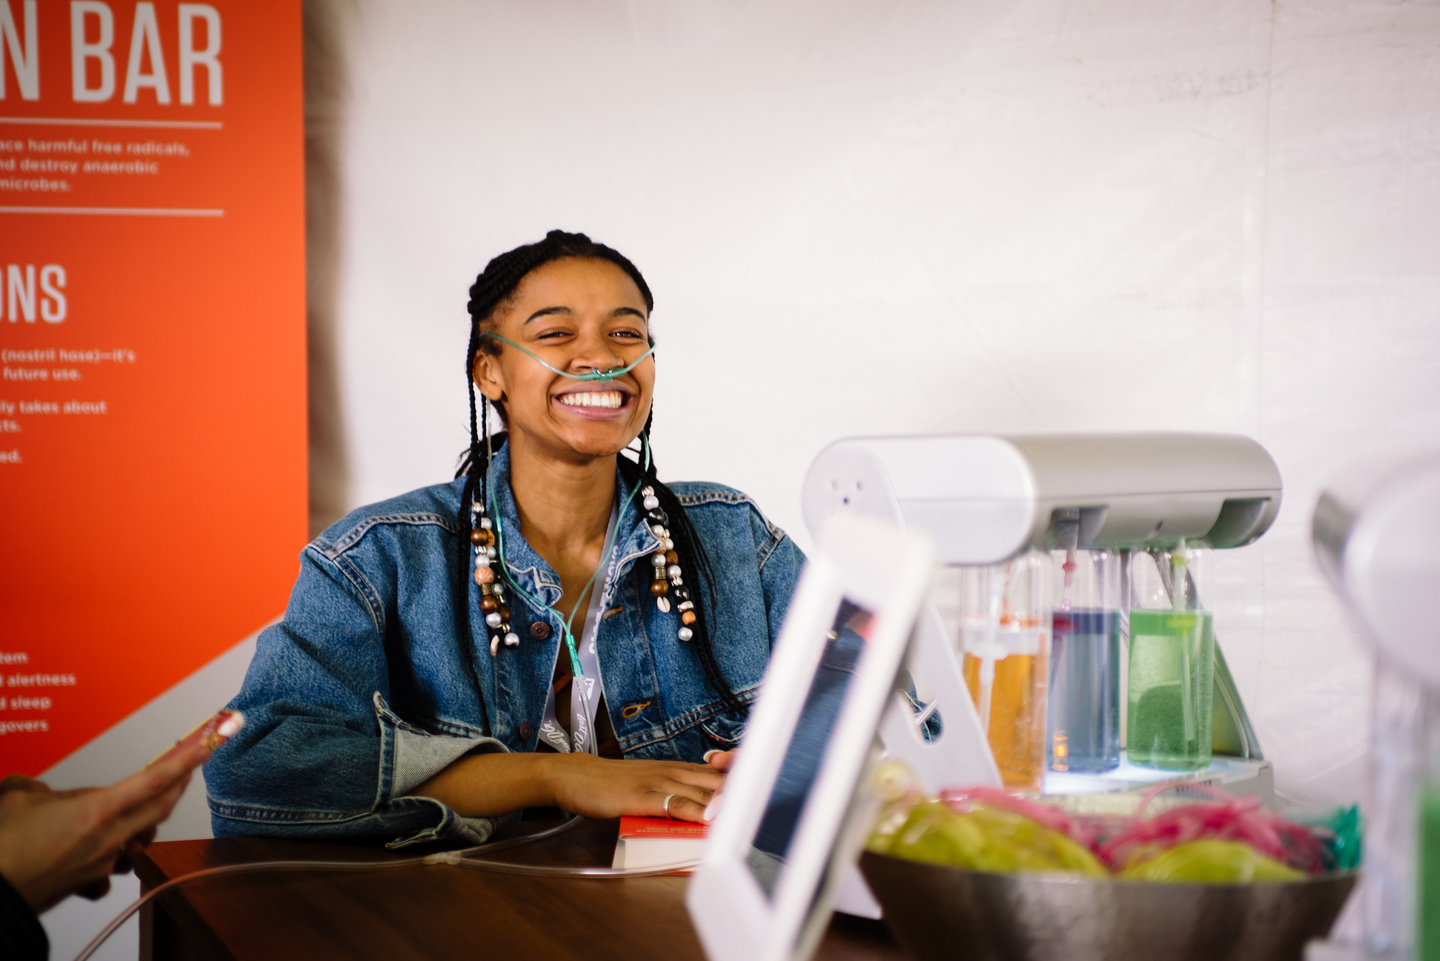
(1005,615)
(1017,717)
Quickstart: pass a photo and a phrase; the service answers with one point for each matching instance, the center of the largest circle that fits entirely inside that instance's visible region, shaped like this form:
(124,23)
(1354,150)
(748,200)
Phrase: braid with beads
(693,557)
(495,285)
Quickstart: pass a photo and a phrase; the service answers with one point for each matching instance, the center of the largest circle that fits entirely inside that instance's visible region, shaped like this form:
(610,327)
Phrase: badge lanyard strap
(583,703)
(605,556)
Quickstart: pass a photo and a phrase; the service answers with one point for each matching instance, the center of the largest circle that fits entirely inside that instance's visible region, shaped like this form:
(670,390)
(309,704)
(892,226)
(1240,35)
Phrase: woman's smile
(595,404)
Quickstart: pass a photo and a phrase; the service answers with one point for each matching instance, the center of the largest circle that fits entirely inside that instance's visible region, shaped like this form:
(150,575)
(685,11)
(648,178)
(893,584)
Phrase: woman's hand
(602,788)
(57,843)
(491,785)
(722,761)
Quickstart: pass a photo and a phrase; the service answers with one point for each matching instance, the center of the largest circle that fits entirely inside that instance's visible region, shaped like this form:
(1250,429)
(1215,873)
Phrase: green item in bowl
(1210,862)
(985,839)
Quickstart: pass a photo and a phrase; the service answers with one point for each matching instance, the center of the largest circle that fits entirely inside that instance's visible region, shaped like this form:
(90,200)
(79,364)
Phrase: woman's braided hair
(495,285)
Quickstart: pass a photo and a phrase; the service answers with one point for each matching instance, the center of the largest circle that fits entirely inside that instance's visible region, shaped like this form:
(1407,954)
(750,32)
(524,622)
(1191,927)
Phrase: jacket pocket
(725,729)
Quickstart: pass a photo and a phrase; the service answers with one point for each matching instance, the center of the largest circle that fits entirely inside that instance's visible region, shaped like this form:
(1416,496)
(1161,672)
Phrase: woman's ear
(488,376)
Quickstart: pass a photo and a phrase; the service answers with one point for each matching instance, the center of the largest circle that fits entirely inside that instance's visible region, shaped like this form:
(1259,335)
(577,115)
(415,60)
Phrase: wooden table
(430,911)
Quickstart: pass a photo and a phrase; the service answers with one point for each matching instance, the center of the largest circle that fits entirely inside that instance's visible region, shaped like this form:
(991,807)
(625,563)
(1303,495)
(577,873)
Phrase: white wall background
(872,216)
(863,216)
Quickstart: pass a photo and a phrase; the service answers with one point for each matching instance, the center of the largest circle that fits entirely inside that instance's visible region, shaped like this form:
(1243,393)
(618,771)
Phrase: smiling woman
(556,627)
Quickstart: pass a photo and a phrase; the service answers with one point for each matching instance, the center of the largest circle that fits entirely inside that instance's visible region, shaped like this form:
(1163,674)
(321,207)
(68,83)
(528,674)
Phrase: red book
(654,842)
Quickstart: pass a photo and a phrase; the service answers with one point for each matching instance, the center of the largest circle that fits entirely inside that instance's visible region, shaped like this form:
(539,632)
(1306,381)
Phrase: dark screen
(833,672)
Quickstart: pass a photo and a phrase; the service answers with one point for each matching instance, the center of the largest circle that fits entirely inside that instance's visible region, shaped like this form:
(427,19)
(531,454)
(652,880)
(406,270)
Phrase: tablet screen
(833,673)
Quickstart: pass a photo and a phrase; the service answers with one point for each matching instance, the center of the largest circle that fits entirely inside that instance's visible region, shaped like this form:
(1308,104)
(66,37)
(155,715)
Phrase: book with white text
(655,842)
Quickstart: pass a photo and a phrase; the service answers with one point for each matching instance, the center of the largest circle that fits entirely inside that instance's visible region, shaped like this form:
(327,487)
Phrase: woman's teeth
(594,398)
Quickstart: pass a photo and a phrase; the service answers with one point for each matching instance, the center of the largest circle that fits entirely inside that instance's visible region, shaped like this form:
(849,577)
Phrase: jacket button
(540,630)
(527,731)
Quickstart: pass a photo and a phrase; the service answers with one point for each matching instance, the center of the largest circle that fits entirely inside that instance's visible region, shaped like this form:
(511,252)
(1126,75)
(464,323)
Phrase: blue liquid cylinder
(1083,733)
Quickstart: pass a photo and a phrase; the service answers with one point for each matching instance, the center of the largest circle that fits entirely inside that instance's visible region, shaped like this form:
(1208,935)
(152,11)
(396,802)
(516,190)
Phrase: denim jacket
(364,691)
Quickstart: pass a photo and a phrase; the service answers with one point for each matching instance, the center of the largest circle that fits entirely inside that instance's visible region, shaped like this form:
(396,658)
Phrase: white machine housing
(984,499)
(1376,529)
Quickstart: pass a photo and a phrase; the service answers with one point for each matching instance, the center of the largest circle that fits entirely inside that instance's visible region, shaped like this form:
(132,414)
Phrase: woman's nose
(593,352)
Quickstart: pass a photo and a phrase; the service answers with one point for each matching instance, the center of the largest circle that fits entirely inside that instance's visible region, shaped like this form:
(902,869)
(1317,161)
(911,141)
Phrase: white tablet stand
(789,830)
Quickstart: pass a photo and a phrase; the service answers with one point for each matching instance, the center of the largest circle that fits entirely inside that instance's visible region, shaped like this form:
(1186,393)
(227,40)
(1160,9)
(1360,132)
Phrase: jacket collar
(633,537)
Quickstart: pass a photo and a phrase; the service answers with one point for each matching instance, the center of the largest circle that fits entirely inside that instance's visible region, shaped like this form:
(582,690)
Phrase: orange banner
(152,339)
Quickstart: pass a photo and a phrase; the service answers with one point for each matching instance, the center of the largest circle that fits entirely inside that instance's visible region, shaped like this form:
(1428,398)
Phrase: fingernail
(708,754)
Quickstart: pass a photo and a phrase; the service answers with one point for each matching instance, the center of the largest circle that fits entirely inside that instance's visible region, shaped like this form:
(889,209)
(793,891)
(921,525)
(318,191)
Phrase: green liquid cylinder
(1427,872)
(1171,696)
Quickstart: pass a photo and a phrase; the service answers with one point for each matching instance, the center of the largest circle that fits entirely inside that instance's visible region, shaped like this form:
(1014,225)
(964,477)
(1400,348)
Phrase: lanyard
(606,553)
(587,687)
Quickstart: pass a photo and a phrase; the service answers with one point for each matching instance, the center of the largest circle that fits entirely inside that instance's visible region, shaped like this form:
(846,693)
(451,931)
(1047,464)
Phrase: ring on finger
(665,806)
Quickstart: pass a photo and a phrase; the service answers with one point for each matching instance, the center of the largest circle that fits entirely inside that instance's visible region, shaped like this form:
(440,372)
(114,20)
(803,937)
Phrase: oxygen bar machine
(1075,564)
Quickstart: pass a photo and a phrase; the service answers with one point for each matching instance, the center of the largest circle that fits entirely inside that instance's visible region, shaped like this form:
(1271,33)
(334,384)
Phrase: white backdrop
(867,216)
(863,216)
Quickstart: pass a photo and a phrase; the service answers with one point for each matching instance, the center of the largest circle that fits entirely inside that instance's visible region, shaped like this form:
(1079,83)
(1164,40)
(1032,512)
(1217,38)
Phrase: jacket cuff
(409,757)
(450,828)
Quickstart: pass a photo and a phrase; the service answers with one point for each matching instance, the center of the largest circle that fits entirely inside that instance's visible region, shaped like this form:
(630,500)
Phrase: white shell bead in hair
(663,604)
(493,618)
(485,523)
(673,570)
(651,503)
(658,530)
(512,640)
(657,559)
(685,634)
(492,552)
(482,560)
(494,644)
(669,544)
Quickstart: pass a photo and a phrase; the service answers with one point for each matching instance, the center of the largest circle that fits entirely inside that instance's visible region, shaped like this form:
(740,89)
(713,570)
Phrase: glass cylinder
(1426,906)
(1005,639)
(1172,662)
(1399,894)
(1083,733)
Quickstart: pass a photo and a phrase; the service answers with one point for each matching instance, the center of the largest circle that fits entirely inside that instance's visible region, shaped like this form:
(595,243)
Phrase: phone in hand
(212,732)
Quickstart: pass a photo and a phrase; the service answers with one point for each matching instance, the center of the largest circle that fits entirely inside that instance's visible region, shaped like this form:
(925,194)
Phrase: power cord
(461,858)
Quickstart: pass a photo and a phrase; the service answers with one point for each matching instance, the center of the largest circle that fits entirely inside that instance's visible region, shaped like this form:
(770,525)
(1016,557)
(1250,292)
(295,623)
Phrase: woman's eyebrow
(549,312)
(567,312)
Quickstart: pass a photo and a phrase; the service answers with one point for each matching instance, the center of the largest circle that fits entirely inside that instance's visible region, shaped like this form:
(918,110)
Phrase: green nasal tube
(605,553)
(597,376)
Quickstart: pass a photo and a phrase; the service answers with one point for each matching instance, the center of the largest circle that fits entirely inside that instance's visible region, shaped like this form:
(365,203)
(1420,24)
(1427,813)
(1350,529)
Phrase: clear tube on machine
(1005,639)
(1172,662)
(1083,732)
